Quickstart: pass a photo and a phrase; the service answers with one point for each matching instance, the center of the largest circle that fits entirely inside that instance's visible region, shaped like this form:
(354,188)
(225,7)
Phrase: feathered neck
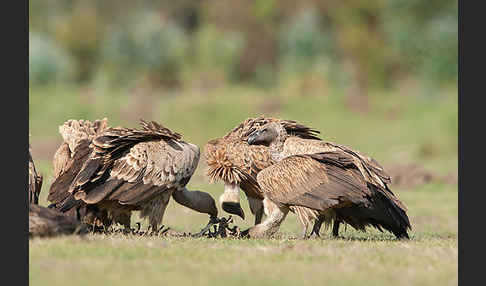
(276,146)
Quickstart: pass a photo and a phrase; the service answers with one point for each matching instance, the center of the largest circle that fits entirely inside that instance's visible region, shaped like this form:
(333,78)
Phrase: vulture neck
(276,148)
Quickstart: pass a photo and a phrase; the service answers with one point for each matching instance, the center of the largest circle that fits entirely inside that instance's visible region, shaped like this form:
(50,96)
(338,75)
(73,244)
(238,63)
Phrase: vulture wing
(71,155)
(371,170)
(62,159)
(244,129)
(74,131)
(332,180)
(131,166)
(67,170)
(304,180)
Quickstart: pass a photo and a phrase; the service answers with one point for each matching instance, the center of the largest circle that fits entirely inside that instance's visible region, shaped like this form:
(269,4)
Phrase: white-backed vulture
(129,169)
(338,184)
(235,162)
(44,221)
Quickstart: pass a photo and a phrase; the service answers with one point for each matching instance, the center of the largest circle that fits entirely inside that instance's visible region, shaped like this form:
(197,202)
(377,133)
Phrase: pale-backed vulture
(44,221)
(129,169)
(336,184)
(235,162)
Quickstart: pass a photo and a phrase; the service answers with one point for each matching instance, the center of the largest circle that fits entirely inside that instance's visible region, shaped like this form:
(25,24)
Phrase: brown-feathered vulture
(49,222)
(129,169)
(235,162)
(35,182)
(75,149)
(336,184)
(44,221)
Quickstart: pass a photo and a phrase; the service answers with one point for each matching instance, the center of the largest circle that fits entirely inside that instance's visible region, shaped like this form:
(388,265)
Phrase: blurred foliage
(302,42)
(217,50)
(47,61)
(366,44)
(426,34)
(145,46)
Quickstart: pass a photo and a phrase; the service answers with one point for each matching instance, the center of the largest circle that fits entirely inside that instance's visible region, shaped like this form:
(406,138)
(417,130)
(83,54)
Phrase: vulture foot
(221,229)
(314,235)
(212,221)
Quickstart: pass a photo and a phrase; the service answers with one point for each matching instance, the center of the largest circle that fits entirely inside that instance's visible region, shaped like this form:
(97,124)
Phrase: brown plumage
(44,221)
(35,182)
(75,149)
(332,180)
(49,222)
(235,162)
(129,169)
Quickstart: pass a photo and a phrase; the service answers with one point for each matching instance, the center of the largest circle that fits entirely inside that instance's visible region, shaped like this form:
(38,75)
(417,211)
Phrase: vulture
(75,149)
(120,170)
(49,222)
(235,162)
(334,183)
(44,221)
(35,182)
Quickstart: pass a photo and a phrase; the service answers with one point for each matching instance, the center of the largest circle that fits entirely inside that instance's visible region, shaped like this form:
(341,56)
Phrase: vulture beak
(253,136)
(233,208)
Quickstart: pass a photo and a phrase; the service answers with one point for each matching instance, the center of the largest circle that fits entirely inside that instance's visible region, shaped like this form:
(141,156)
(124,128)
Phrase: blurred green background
(378,76)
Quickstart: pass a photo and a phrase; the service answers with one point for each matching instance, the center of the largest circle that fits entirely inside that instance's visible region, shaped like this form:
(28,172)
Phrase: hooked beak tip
(233,208)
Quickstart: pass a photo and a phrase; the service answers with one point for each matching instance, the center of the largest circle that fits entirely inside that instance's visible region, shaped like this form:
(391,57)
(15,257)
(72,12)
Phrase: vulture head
(268,134)
(230,200)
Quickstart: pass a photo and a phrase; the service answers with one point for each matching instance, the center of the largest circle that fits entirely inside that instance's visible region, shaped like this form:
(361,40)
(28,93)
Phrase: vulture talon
(245,233)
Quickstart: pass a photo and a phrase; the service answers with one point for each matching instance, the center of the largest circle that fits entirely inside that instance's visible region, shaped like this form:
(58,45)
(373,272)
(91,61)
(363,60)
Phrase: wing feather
(304,181)
(132,165)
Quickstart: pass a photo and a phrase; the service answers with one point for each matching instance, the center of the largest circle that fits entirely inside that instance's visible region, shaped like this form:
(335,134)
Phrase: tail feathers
(393,218)
(381,213)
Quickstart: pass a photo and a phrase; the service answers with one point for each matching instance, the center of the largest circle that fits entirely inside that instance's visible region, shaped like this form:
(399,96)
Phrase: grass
(405,127)
(429,258)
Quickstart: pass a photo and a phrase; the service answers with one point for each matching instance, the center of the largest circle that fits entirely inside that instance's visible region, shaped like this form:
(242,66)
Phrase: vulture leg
(124,219)
(275,216)
(304,232)
(335,228)
(317,228)
(196,200)
(155,209)
(256,207)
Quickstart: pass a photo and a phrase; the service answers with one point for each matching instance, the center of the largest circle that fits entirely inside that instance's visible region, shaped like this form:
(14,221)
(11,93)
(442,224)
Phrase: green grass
(405,127)
(429,258)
